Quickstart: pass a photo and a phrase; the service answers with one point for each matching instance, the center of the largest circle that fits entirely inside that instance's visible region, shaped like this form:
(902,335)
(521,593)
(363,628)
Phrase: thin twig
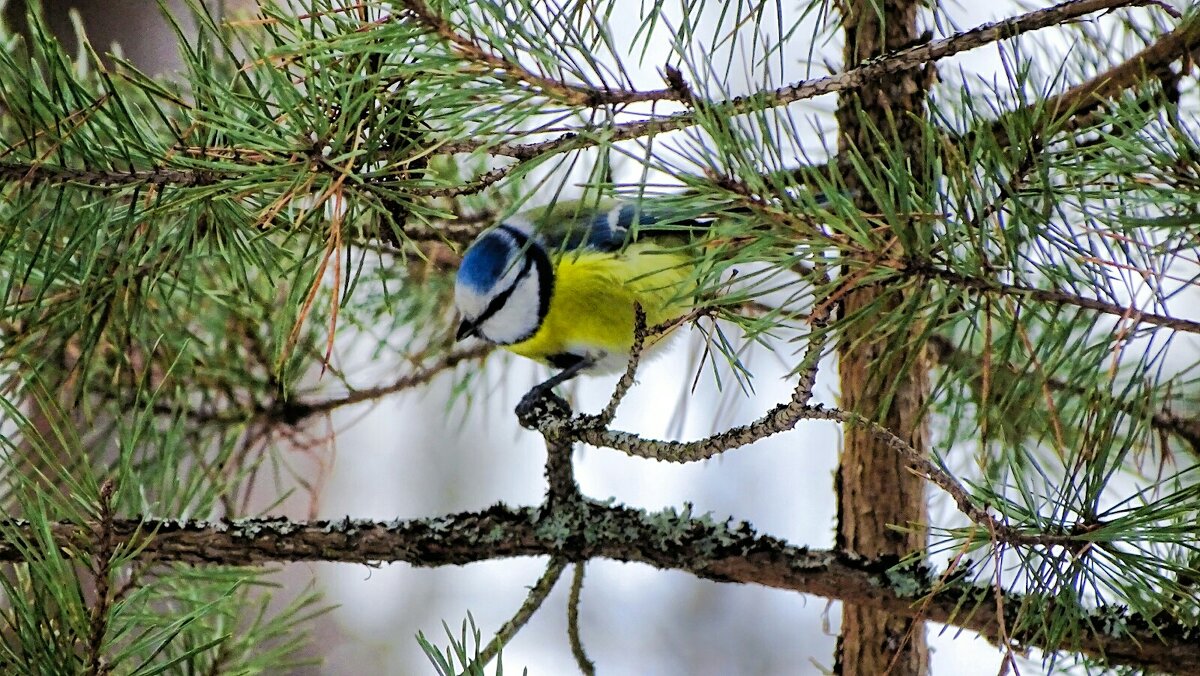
(534,600)
(293,412)
(558,424)
(586,665)
(635,354)
(928,470)
(406,382)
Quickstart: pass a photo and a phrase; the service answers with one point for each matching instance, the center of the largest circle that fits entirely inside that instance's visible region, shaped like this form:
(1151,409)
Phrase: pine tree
(999,273)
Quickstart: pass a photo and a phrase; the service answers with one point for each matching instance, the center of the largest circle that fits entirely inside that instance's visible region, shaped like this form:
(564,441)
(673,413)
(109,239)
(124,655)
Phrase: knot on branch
(678,85)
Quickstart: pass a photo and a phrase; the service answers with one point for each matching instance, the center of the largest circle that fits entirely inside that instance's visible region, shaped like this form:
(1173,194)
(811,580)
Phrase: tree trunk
(136,25)
(880,376)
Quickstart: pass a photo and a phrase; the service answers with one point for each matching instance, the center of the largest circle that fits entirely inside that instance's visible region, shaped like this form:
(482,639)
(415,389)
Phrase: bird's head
(503,286)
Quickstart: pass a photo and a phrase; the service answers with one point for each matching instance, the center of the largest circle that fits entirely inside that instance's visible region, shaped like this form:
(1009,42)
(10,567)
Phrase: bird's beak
(466,329)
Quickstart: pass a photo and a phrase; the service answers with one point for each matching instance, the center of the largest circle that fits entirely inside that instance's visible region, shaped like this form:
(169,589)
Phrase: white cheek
(518,319)
(469,303)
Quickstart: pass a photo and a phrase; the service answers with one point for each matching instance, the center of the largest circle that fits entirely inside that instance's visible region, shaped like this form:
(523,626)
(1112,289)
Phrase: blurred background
(415,455)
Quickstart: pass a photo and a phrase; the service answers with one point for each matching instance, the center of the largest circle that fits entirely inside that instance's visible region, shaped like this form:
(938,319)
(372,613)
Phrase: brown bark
(880,377)
(724,552)
(136,25)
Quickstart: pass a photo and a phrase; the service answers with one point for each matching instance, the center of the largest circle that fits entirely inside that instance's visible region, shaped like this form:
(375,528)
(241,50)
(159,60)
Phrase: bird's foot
(539,405)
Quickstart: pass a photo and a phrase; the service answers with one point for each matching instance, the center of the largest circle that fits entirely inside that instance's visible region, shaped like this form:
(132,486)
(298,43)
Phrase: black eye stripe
(501,298)
(545,271)
(534,258)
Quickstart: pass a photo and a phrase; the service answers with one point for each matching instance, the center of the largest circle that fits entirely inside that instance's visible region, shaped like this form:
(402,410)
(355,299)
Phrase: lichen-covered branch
(554,421)
(709,549)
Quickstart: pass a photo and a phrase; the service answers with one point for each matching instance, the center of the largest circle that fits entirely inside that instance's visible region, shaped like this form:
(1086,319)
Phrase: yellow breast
(591,310)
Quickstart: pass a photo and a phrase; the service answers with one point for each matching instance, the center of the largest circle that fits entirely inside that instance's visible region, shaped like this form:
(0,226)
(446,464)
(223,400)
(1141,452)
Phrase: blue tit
(559,284)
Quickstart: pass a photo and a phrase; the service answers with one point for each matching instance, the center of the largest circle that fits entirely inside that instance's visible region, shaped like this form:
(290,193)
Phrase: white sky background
(407,457)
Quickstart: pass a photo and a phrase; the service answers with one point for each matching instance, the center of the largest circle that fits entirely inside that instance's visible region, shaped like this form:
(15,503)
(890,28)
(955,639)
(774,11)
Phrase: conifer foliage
(1009,260)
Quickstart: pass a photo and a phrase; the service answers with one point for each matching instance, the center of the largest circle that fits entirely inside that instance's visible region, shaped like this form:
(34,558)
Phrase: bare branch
(408,381)
(554,420)
(292,412)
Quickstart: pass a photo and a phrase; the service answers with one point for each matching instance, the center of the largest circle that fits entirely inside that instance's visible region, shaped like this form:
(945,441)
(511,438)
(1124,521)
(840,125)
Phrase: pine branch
(850,79)
(43,173)
(724,552)
(1079,99)
(40,173)
(1086,97)
(515,73)
(1163,420)
(1052,296)
(104,551)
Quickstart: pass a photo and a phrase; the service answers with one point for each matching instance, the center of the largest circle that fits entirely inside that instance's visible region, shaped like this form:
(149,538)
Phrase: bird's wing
(601,225)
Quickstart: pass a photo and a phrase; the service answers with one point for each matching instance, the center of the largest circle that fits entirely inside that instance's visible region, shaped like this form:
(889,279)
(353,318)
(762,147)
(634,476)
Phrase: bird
(560,284)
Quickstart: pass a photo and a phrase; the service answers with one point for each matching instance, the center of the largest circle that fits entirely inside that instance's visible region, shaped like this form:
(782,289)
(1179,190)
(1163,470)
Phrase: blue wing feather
(600,226)
(607,224)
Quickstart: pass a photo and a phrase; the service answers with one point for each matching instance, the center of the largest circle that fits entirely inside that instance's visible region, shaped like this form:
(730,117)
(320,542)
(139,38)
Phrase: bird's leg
(566,374)
(542,399)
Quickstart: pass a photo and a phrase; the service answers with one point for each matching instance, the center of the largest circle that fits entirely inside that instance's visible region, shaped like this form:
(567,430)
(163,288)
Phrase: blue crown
(486,261)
